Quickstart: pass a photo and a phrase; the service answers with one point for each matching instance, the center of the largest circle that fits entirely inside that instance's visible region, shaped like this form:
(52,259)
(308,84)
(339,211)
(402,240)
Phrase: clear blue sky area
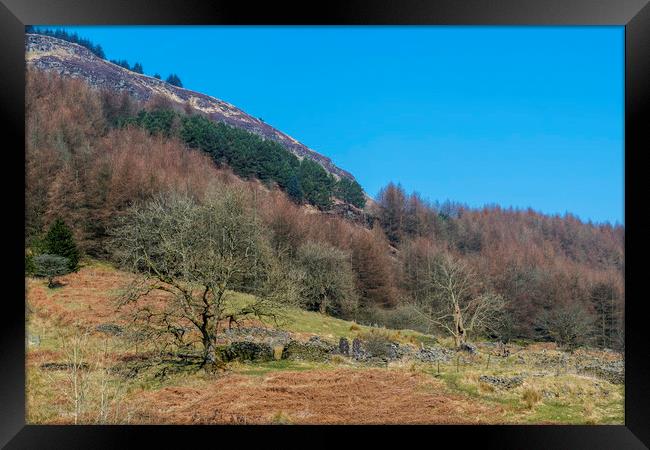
(517,116)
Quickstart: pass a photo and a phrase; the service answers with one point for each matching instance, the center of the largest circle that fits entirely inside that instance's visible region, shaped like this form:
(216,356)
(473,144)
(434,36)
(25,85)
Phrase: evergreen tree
(316,183)
(137,68)
(174,80)
(350,192)
(157,76)
(51,266)
(294,190)
(60,241)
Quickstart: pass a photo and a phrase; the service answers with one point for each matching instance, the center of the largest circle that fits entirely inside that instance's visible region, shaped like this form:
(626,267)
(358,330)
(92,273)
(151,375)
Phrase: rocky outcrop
(74,61)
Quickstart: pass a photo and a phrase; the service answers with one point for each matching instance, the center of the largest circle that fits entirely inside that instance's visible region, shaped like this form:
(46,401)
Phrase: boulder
(469,348)
(344,347)
(357,351)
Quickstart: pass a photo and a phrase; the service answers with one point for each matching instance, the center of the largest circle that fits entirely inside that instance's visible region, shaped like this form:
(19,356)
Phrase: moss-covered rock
(247,351)
(313,350)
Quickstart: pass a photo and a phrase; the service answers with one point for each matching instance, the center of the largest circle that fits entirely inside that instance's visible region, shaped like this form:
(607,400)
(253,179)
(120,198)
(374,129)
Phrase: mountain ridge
(73,60)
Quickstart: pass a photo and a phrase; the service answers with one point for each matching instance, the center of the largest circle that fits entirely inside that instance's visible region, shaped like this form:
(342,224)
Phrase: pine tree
(60,241)
(350,191)
(294,189)
(174,80)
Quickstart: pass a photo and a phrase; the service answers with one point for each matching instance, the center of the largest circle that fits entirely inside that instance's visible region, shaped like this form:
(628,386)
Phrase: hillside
(76,337)
(74,61)
(188,263)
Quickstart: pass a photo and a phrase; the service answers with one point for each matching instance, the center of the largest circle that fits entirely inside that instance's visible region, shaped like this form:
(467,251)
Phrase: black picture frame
(633,14)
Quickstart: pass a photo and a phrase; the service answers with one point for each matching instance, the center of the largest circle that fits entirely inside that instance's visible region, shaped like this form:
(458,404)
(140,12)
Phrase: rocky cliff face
(72,60)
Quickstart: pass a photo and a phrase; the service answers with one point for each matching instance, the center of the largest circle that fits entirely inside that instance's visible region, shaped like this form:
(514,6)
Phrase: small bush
(485,387)
(277,352)
(281,418)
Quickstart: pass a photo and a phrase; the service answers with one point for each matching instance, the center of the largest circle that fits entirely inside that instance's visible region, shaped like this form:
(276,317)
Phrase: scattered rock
(502,382)
(33,340)
(614,371)
(110,328)
(434,354)
(63,366)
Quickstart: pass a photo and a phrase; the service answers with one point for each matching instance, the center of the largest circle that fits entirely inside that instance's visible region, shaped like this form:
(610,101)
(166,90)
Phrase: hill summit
(72,60)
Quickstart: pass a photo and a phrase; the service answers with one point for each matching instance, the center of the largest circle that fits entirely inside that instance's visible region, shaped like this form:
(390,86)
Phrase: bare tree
(568,325)
(197,254)
(452,302)
(327,282)
(76,389)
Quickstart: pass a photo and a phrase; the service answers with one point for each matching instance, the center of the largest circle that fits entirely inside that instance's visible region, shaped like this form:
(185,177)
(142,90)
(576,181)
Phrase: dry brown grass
(539,346)
(531,397)
(340,396)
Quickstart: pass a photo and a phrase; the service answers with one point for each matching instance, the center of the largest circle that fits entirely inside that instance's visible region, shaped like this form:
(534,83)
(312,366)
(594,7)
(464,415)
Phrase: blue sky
(517,116)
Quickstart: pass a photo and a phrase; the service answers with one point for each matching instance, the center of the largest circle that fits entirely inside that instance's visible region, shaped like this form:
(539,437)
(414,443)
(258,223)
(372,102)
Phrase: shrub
(531,397)
(50,266)
(30,267)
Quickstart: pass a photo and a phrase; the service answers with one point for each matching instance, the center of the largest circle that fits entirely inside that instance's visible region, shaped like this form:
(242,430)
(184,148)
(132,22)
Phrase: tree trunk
(459,335)
(209,350)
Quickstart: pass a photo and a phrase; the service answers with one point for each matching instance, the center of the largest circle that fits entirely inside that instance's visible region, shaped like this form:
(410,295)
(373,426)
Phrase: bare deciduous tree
(198,253)
(569,326)
(327,282)
(452,302)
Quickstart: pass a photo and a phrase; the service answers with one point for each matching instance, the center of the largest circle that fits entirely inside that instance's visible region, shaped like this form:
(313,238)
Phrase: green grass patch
(263,368)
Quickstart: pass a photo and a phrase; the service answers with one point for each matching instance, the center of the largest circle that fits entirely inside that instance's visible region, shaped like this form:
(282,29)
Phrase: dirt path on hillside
(341,396)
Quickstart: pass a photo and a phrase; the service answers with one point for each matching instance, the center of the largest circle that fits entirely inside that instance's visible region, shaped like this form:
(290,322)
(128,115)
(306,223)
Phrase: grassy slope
(86,300)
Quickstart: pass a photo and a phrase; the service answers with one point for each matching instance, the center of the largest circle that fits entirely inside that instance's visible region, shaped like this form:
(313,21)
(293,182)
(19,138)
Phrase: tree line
(469,273)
